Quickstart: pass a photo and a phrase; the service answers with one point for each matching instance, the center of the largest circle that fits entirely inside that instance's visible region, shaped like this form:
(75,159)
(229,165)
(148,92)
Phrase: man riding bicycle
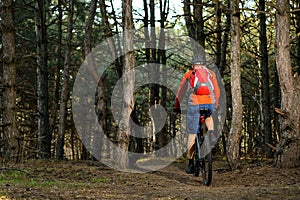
(203,93)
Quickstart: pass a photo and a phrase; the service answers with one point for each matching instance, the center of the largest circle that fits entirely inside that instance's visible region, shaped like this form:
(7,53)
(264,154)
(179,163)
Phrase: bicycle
(202,158)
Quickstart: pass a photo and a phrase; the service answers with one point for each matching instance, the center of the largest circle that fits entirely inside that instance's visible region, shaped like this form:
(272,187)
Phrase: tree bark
(222,67)
(188,18)
(218,11)
(45,136)
(65,91)
(100,95)
(288,151)
(199,22)
(164,9)
(225,42)
(265,114)
(298,38)
(58,51)
(195,25)
(128,84)
(108,34)
(146,31)
(10,131)
(233,147)
(154,98)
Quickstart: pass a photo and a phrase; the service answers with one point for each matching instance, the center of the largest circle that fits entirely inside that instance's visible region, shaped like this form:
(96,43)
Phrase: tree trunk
(58,51)
(195,27)
(162,59)
(10,132)
(288,152)
(188,18)
(65,91)
(199,22)
(146,31)
(128,85)
(100,95)
(45,136)
(222,67)
(225,42)
(265,115)
(218,11)
(152,32)
(233,149)
(154,98)
(298,38)
(115,50)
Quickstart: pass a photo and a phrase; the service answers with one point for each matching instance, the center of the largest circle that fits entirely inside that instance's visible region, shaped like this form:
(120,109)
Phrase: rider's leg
(211,135)
(191,146)
(190,153)
(209,123)
(192,128)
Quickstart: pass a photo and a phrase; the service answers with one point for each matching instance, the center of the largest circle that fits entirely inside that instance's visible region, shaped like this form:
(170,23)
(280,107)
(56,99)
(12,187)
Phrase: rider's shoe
(190,169)
(196,172)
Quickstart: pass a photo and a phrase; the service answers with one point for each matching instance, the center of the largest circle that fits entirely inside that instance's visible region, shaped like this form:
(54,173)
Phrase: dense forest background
(255,45)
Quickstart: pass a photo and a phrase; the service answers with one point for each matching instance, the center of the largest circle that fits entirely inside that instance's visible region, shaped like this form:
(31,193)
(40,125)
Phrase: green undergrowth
(26,179)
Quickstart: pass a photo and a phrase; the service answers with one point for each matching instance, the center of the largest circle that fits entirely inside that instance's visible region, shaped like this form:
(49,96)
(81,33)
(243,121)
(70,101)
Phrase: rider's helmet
(199,59)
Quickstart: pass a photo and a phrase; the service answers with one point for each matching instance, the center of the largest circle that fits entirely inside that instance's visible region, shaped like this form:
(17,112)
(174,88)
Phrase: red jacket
(196,99)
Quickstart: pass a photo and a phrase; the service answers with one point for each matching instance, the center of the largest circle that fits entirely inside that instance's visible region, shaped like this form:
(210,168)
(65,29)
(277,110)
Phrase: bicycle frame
(201,159)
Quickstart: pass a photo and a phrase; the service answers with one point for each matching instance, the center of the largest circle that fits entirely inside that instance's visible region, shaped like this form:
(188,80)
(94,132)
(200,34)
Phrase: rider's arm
(181,92)
(216,88)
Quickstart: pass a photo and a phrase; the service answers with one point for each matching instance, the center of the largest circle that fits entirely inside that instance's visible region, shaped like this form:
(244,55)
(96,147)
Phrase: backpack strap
(211,86)
(196,83)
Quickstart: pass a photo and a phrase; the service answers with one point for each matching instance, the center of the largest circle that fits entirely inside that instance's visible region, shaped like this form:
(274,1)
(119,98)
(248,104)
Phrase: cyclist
(196,102)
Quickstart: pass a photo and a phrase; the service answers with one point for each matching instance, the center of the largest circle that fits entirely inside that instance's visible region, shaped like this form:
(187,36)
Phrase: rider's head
(198,60)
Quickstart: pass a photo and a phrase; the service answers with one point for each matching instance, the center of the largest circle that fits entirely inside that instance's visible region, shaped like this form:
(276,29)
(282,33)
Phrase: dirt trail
(92,180)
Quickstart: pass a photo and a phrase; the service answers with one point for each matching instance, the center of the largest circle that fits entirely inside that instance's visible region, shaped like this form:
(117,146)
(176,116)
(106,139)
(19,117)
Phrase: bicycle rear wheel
(206,169)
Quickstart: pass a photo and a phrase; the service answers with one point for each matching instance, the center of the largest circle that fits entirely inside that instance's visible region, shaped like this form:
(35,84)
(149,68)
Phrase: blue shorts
(193,114)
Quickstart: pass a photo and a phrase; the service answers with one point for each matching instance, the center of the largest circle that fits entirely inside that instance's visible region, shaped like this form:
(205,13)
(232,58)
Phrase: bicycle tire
(206,169)
(203,164)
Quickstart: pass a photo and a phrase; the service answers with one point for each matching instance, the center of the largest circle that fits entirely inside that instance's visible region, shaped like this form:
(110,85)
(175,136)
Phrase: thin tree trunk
(195,27)
(164,8)
(154,89)
(225,42)
(154,98)
(45,136)
(115,49)
(10,132)
(298,38)
(199,22)
(53,124)
(148,58)
(100,97)
(222,67)
(219,33)
(288,152)
(128,84)
(188,18)
(233,150)
(146,31)
(152,29)
(65,91)
(265,115)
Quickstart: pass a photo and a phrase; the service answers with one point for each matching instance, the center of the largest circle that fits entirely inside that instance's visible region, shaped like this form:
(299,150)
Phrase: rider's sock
(191,162)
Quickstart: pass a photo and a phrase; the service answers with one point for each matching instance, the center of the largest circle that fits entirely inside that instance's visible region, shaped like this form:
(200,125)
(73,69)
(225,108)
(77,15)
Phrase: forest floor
(53,179)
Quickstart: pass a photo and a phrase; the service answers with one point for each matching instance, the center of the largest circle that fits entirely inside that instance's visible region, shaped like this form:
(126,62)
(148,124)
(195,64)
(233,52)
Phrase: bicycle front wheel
(206,169)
